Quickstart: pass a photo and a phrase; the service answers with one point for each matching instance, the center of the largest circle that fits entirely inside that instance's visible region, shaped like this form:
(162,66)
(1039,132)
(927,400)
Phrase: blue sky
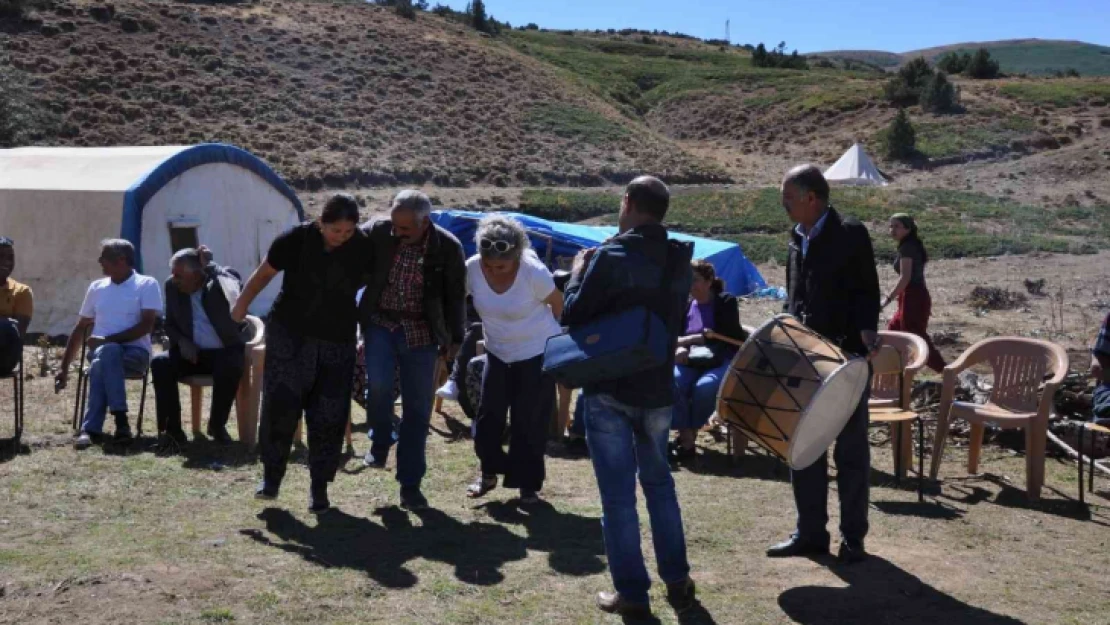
(814,25)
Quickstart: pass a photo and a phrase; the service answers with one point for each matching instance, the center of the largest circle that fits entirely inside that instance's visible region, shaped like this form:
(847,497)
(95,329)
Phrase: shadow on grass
(927,510)
(573,543)
(10,451)
(339,540)
(756,466)
(1009,496)
(880,592)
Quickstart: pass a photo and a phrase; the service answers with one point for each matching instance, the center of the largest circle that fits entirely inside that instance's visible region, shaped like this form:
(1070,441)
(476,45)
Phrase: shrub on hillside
(982,66)
(901,138)
(478,18)
(906,88)
(778,58)
(939,95)
(954,62)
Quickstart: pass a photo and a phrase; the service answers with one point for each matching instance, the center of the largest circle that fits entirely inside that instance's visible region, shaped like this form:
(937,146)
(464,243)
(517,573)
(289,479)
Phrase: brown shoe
(681,595)
(614,603)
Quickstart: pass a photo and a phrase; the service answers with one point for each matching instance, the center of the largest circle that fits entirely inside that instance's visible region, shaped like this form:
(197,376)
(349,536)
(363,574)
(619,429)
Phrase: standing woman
(914,303)
(700,363)
(310,342)
(515,296)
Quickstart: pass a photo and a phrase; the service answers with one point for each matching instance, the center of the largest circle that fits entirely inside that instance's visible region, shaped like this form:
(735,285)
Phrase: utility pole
(728,35)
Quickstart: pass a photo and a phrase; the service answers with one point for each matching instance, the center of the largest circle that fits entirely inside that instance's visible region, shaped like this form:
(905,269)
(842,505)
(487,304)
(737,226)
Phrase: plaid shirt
(1102,345)
(402,302)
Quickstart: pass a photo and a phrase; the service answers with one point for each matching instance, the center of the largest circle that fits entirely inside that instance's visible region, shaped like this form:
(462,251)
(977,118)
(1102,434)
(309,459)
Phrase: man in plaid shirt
(1100,370)
(412,313)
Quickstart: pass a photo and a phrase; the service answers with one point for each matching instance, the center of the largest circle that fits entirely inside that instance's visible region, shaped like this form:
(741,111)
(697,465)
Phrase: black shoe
(413,499)
(219,434)
(170,444)
(318,497)
(851,552)
(123,429)
(682,595)
(576,445)
(266,491)
(795,547)
(529,497)
(685,455)
(374,460)
(614,603)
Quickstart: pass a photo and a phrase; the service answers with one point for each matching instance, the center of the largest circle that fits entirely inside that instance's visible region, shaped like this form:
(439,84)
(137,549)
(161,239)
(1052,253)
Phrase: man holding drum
(833,288)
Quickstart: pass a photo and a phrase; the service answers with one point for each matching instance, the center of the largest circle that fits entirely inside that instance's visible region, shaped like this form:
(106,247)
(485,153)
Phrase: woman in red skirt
(914,303)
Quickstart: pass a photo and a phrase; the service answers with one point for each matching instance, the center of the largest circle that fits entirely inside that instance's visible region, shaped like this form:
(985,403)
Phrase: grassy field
(954,224)
(1062,92)
(1014,57)
(106,536)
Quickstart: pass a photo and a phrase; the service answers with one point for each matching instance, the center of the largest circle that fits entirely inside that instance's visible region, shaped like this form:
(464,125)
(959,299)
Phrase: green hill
(1036,57)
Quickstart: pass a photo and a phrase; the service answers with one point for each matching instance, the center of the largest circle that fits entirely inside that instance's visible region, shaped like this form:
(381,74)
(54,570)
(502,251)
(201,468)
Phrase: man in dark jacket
(628,419)
(411,314)
(204,340)
(833,288)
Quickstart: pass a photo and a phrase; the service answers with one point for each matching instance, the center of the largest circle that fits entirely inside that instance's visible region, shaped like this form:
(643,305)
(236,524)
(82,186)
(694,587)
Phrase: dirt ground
(112,536)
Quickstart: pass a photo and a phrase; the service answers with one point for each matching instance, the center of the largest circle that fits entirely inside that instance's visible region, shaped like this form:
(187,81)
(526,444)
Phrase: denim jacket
(628,271)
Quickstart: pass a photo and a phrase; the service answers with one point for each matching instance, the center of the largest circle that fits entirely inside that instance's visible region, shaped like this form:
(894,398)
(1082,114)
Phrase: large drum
(791,390)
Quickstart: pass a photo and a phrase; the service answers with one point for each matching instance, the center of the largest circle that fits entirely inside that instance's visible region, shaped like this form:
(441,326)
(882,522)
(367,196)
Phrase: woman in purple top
(701,364)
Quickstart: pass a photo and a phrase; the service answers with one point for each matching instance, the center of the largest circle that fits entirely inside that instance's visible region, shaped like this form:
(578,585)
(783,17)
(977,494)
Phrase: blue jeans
(1101,407)
(695,395)
(625,441)
(109,365)
(386,351)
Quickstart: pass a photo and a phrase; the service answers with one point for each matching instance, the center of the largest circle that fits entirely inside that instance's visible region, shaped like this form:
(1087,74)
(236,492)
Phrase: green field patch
(1062,92)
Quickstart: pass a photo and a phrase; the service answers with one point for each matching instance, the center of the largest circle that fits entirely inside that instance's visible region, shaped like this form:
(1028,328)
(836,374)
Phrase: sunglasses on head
(500,247)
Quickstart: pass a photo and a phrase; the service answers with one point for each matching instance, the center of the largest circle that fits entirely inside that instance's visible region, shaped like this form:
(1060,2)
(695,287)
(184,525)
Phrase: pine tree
(901,139)
(478,17)
(938,95)
(982,66)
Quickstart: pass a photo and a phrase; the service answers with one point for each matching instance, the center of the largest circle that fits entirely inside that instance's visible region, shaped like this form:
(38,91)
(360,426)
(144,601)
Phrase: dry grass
(101,537)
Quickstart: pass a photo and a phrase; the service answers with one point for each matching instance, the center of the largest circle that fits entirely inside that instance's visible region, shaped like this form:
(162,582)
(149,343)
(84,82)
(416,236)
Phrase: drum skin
(791,390)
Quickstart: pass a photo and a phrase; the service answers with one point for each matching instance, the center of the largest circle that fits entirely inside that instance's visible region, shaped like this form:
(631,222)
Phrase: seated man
(1100,370)
(122,309)
(16,308)
(204,340)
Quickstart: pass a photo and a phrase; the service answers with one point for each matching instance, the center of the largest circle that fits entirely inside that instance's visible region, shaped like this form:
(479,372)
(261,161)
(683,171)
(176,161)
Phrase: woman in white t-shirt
(516,298)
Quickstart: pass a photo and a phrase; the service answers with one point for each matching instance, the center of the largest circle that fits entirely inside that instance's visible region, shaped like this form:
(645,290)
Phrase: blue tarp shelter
(556,243)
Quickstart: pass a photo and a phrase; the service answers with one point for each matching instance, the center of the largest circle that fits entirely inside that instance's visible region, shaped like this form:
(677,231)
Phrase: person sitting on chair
(122,309)
(701,363)
(16,307)
(1100,371)
(204,340)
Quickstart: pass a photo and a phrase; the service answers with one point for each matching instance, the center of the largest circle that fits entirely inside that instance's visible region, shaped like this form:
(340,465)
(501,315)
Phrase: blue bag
(611,347)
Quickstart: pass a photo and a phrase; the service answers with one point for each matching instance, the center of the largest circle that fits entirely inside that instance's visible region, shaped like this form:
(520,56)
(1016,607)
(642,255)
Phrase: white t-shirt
(118,307)
(516,323)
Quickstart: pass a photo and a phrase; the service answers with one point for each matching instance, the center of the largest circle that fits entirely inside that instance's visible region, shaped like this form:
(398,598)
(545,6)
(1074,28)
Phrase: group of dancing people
(404,285)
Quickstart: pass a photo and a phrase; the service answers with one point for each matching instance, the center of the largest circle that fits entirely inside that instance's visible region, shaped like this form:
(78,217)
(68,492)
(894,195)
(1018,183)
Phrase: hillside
(1035,57)
(329,94)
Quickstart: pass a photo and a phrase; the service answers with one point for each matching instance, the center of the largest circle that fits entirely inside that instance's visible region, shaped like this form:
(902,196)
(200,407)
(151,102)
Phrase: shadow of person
(476,550)
(573,543)
(751,465)
(880,592)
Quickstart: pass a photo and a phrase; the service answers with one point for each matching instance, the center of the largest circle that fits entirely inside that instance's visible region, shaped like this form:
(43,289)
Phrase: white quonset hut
(57,204)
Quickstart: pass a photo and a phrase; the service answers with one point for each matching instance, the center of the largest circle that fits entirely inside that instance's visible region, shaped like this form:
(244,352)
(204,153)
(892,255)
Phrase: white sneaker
(449,391)
(84,441)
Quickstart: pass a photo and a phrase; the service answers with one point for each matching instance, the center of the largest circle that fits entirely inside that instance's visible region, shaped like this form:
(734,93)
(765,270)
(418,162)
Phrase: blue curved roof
(137,196)
(740,275)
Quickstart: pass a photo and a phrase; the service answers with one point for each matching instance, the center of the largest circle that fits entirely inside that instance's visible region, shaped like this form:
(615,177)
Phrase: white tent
(855,168)
(58,203)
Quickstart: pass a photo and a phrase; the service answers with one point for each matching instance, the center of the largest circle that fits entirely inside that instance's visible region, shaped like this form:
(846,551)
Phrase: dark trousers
(522,389)
(309,376)
(224,365)
(11,345)
(853,475)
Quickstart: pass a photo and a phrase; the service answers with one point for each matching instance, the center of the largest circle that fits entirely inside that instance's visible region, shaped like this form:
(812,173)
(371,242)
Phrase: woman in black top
(914,303)
(310,342)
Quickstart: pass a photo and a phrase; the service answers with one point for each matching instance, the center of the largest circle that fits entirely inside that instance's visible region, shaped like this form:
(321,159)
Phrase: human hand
(1096,369)
(871,342)
(239,312)
(93,342)
(61,379)
(450,352)
(205,254)
(681,356)
(189,351)
(581,260)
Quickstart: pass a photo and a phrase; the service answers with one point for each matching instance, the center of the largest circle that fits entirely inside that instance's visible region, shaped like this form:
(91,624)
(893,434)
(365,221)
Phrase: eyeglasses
(501,247)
